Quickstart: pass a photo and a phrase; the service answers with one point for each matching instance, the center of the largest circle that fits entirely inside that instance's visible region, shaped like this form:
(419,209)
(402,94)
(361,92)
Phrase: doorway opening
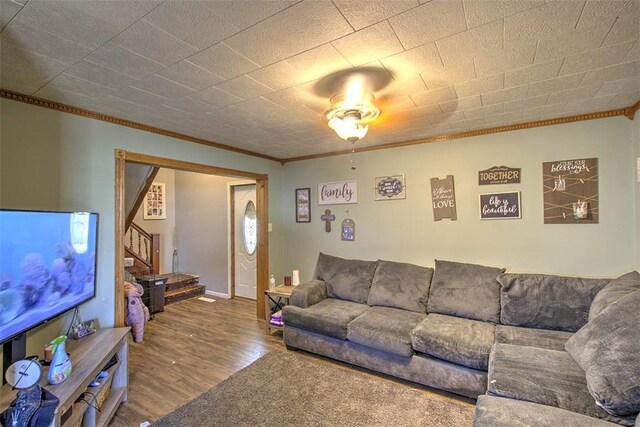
(243,238)
(256,219)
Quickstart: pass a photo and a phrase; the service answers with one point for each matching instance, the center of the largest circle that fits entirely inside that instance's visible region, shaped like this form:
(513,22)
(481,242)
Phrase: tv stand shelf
(88,356)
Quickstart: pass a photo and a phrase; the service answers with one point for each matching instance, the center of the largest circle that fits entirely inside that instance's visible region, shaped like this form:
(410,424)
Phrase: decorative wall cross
(327,218)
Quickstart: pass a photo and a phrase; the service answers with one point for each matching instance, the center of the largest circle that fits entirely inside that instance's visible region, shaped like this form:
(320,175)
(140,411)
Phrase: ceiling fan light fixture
(349,128)
(349,117)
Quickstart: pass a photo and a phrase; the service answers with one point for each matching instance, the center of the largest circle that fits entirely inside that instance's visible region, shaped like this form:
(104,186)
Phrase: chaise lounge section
(463,328)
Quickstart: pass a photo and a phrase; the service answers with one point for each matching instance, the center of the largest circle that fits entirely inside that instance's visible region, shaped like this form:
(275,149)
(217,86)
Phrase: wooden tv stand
(88,356)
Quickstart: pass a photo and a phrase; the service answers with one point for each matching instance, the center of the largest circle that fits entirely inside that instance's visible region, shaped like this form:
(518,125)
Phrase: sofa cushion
(400,285)
(465,290)
(531,337)
(308,293)
(455,339)
(548,302)
(616,289)
(543,376)
(386,329)
(346,279)
(492,411)
(328,317)
(608,349)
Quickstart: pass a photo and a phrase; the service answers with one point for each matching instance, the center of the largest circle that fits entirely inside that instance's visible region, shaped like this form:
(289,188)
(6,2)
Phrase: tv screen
(47,266)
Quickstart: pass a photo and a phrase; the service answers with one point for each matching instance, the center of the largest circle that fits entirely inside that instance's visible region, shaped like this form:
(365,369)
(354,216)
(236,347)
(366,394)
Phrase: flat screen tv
(47,266)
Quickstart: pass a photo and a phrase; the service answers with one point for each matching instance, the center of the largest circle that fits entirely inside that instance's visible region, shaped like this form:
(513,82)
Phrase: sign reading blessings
(338,193)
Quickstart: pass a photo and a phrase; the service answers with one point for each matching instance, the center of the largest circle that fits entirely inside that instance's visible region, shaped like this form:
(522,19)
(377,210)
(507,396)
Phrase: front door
(245,239)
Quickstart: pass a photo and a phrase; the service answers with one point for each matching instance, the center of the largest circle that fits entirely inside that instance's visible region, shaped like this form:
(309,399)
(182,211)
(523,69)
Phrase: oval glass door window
(250,230)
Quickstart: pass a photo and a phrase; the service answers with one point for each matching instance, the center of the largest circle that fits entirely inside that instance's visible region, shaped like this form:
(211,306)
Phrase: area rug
(289,389)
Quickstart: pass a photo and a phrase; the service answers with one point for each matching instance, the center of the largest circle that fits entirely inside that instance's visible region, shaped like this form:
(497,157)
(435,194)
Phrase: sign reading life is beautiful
(500,205)
(499,175)
(338,193)
(443,198)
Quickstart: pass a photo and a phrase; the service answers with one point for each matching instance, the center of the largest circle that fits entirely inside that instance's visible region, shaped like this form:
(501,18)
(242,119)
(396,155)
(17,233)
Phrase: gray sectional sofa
(476,331)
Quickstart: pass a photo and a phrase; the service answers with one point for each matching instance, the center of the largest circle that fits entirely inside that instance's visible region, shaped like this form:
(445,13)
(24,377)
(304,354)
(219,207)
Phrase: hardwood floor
(187,349)
(193,345)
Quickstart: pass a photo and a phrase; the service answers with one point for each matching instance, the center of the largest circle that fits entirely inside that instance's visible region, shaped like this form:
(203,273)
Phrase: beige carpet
(289,389)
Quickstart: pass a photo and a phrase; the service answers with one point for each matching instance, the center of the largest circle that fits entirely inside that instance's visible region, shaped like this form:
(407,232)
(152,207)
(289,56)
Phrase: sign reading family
(500,205)
(338,193)
(499,175)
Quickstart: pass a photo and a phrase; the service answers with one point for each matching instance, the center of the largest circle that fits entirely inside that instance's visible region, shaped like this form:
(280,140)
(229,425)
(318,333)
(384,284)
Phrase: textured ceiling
(244,73)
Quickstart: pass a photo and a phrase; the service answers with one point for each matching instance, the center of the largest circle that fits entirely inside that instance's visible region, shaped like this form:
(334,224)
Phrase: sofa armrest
(308,293)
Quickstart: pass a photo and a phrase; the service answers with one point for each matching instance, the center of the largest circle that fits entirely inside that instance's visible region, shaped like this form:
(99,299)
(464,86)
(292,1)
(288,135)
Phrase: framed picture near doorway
(155,203)
(303,204)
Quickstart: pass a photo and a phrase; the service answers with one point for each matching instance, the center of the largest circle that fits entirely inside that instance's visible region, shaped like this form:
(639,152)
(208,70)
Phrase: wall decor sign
(499,175)
(500,206)
(570,191)
(348,229)
(327,218)
(303,205)
(338,193)
(154,204)
(390,188)
(443,198)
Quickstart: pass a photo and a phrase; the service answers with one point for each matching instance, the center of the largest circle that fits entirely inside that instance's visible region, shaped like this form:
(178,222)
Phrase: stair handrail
(151,255)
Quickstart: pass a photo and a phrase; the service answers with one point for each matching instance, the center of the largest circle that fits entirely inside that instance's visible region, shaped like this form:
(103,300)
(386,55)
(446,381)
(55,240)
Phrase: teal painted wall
(404,230)
(53,160)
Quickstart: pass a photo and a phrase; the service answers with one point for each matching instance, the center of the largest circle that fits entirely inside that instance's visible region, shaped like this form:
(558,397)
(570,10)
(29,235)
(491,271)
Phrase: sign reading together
(499,175)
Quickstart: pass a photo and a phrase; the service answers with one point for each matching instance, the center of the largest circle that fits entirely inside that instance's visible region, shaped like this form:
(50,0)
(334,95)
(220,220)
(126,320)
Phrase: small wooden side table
(279,297)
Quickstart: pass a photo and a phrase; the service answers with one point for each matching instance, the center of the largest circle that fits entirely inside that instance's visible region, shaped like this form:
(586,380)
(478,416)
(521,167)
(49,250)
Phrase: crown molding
(467,134)
(628,112)
(123,122)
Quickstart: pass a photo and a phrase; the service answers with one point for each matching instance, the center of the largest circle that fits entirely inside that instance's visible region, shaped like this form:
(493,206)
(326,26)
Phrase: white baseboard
(216,294)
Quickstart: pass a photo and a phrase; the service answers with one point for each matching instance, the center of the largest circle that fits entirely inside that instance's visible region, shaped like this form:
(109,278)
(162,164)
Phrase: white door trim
(230,256)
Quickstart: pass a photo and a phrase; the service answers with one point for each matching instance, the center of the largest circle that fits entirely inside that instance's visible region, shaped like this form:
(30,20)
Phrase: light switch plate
(270,227)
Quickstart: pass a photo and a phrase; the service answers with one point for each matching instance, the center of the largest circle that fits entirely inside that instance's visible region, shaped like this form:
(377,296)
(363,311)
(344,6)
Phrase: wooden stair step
(184,293)
(181,280)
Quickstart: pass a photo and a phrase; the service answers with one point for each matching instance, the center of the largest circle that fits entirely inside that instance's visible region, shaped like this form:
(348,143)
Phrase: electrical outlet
(270,227)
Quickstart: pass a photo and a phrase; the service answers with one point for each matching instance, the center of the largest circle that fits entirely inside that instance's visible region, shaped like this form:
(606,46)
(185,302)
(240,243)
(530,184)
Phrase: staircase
(144,247)
(182,286)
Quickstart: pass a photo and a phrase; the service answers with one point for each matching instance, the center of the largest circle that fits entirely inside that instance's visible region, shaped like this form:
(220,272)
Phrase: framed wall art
(570,191)
(155,203)
(390,188)
(443,198)
(500,205)
(338,193)
(303,204)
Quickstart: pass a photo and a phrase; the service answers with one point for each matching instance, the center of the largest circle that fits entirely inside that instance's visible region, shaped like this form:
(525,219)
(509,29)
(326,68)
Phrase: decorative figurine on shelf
(60,368)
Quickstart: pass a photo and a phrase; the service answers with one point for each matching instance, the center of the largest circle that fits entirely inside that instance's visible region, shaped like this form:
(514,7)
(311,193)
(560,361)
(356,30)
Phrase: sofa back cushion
(465,290)
(607,350)
(346,279)
(548,302)
(616,289)
(400,285)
